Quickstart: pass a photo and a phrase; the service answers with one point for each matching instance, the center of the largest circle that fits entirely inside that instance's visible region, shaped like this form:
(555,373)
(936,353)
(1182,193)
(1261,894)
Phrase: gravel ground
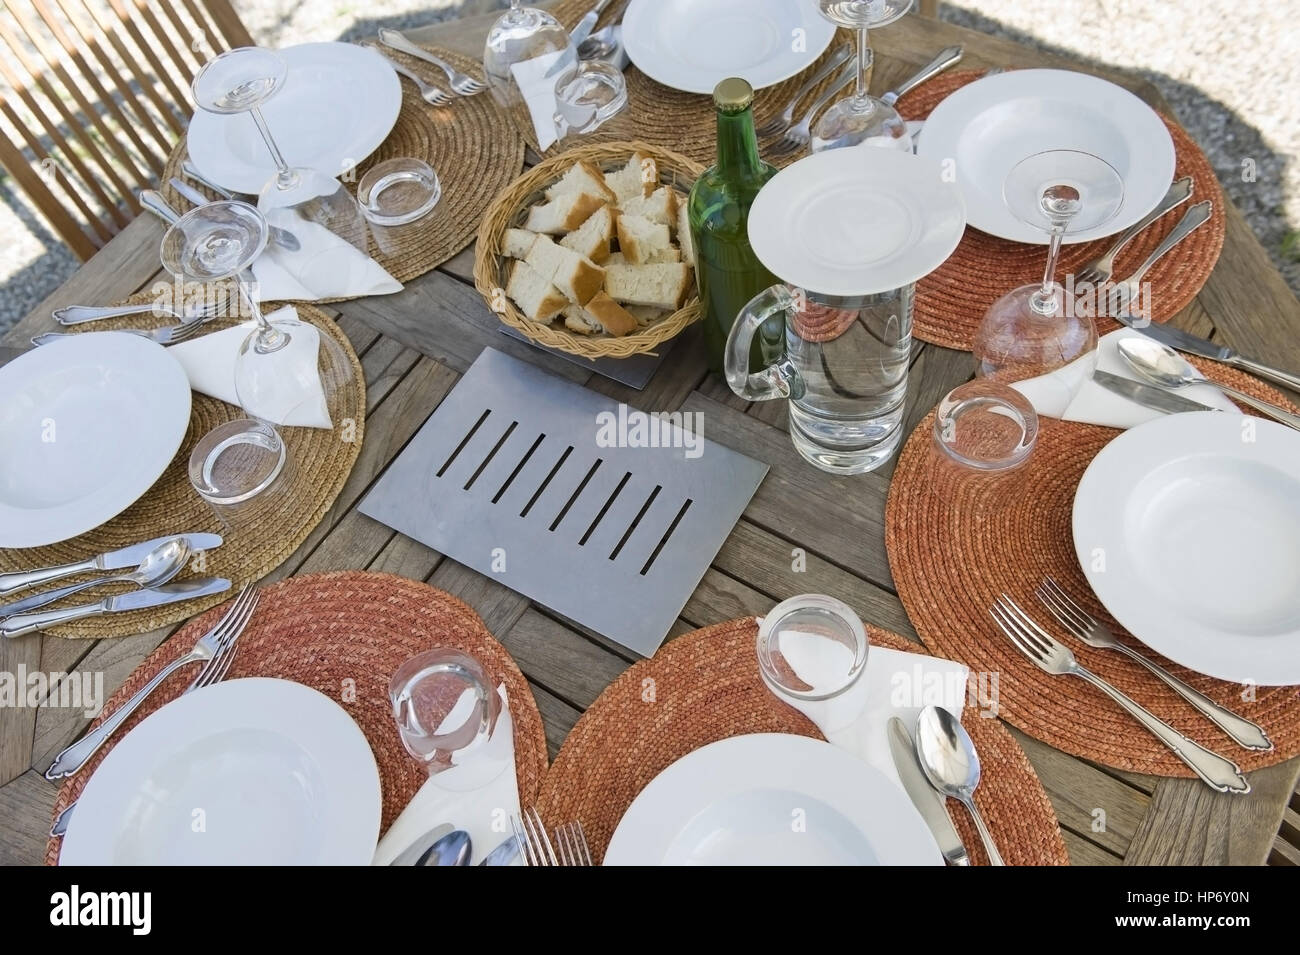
(1201,54)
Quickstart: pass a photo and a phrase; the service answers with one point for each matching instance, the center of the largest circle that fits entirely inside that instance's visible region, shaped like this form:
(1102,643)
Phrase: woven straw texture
(683,122)
(951,302)
(469,143)
(707,687)
(955,541)
(509,210)
(321,630)
(321,461)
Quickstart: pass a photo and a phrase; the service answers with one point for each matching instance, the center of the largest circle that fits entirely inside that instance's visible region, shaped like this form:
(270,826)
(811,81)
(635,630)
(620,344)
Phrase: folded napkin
(893,683)
(536,80)
(298,399)
(1071,394)
(325,266)
(461,796)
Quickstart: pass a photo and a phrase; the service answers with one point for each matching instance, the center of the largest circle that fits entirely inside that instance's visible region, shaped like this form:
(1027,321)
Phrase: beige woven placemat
(683,122)
(321,460)
(956,541)
(345,634)
(474,149)
(951,302)
(707,687)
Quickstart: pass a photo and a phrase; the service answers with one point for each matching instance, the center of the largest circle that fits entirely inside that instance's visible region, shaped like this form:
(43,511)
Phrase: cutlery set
(462,84)
(444,845)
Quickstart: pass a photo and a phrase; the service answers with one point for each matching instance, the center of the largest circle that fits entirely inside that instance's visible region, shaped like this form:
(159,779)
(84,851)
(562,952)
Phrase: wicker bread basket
(509,210)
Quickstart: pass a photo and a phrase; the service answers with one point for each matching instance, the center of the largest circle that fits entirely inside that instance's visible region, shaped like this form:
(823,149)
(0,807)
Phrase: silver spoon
(452,849)
(1161,365)
(158,567)
(951,764)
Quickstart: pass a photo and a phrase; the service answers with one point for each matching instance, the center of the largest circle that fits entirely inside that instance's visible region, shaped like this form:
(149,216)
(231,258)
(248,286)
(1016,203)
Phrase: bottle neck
(737,145)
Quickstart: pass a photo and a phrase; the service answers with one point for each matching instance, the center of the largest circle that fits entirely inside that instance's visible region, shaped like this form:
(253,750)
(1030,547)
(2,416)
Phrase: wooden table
(413,346)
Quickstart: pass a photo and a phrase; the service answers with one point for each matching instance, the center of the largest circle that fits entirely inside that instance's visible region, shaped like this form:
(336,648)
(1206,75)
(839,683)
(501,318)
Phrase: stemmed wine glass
(210,243)
(861,116)
(1034,329)
(520,34)
(240,81)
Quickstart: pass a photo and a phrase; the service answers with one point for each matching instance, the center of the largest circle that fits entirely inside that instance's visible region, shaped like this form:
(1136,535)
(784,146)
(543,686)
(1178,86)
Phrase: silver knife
(24,623)
(927,801)
(503,854)
(587,23)
(113,560)
(1192,344)
(1148,396)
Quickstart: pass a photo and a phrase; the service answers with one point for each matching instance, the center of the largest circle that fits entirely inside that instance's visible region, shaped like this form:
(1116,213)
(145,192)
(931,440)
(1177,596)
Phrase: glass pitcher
(843,367)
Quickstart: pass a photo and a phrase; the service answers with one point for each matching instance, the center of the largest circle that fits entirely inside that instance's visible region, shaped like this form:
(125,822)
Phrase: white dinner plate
(771,799)
(856,221)
(983,129)
(693,46)
(339,101)
(87,425)
(1188,530)
(246,772)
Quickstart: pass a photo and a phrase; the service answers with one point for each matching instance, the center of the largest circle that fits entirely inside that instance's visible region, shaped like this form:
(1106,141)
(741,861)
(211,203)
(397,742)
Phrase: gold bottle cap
(733,95)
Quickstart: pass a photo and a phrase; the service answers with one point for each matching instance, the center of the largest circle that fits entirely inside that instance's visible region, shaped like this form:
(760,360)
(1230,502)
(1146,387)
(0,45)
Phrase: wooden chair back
(93,96)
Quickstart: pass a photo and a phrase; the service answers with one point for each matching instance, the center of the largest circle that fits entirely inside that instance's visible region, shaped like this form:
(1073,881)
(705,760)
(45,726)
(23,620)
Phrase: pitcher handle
(777,380)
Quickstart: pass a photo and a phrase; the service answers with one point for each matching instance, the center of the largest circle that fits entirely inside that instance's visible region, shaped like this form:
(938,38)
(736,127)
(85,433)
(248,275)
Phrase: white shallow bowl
(1188,530)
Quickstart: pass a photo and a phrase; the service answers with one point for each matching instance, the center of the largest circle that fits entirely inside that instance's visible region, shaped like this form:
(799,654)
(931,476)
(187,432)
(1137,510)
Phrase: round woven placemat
(321,460)
(469,143)
(344,634)
(952,300)
(706,687)
(683,122)
(955,541)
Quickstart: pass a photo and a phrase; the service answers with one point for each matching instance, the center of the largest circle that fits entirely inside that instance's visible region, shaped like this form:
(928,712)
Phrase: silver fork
(1129,289)
(214,671)
(800,135)
(1099,271)
(786,119)
(462,83)
(428,92)
(572,843)
(1084,626)
(169,335)
(207,650)
(534,844)
(1055,658)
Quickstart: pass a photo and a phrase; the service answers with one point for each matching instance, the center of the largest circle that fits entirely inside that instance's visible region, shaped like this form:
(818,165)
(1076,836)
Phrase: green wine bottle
(726,269)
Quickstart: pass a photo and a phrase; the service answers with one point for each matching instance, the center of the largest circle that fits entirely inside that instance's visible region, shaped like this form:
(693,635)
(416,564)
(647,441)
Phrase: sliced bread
(660,206)
(639,238)
(685,240)
(601,314)
(662,285)
(594,236)
(563,214)
(637,178)
(670,254)
(516,243)
(646,314)
(536,297)
(575,275)
(582,176)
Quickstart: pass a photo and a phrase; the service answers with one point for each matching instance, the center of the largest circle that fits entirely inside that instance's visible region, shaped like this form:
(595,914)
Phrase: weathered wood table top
(414,345)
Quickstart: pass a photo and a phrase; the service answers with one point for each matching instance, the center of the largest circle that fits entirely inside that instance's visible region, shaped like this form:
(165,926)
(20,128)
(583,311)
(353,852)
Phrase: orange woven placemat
(952,300)
(955,541)
(345,634)
(705,686)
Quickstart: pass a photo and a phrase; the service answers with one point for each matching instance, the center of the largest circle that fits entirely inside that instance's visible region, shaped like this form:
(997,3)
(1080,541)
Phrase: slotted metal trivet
(514,477)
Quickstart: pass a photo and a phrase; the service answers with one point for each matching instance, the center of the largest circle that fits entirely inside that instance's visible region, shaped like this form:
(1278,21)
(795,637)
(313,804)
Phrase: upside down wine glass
(240,81)
(521,34)
(861,116)
(1035,329)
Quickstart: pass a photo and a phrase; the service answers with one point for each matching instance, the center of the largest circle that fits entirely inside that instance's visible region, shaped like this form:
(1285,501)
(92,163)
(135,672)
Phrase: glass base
(237,461)
(854,122)
(1016,341)
(849,446)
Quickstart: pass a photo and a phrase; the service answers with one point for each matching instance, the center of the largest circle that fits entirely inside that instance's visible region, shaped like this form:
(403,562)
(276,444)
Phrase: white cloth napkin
(893,683)
(325,266)
(298,400)
(484,811)
(536,81)
(1071,394)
